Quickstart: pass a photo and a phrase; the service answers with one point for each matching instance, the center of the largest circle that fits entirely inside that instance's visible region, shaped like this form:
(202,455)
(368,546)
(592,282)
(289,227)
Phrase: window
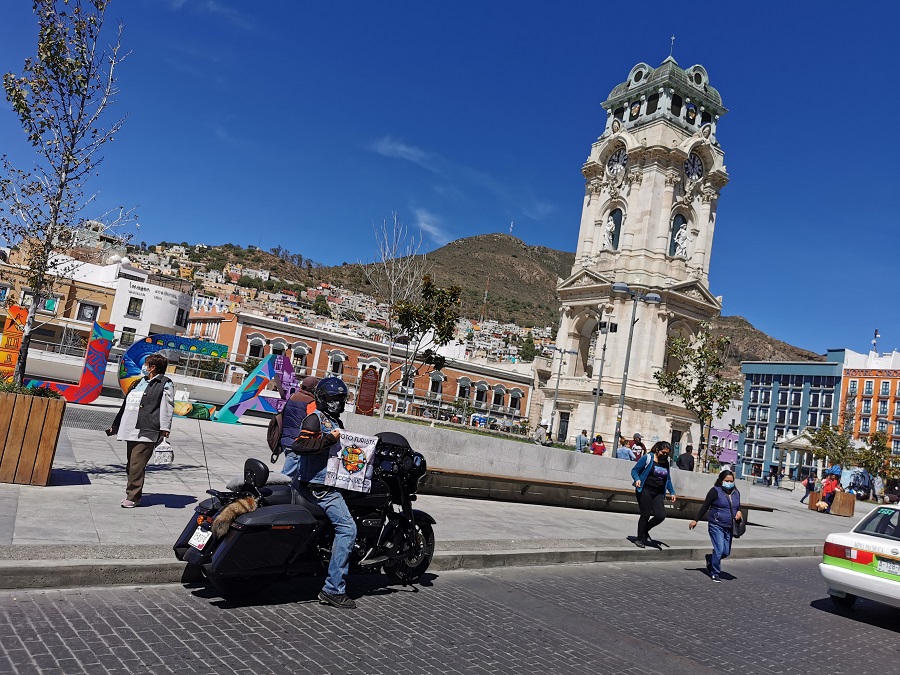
(812,419)
(796,397)
(754,396)
(299,358)
(49,305)
(751,414)
(885,388)
(869,388)
(256,350)
(278,351)
(128,335)
(882,407)
(897,409)
(867,406)
(4,293)
(764,415)
(751,432)
(883,523)
(762,433)
(827,400)
(781,416)
(652,103)
(87,312)
(181,317)
(782,397)
(514,403)
(676,105)
(766,397)
(463,391)
(895,447)
(499,397)
(864,425)
(826,418)
(851,388)
(794,417)
(135,306)
(881,425)
(814,400)
(435,387)
(797,380)
(336,364)
(756,379)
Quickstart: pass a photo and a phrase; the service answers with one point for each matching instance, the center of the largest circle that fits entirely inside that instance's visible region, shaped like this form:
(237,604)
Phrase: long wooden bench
(453,483)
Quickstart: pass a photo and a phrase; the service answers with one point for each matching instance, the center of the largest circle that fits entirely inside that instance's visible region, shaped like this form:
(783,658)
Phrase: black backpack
(273,435)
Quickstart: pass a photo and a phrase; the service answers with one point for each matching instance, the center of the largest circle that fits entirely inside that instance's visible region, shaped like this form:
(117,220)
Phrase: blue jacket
(642,469)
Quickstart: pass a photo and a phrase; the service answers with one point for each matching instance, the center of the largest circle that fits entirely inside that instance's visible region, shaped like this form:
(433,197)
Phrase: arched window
(435,387)
(464,385)
(299,352)
(481,389)
(678,236)
(336,362)
(515,396)
(255,347)
(652,103)
(676,105)
(499,395)
(279,346)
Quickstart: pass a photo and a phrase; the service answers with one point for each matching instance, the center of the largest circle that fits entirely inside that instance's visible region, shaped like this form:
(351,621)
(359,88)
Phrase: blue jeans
(291,463)
(332,502)
(720,536)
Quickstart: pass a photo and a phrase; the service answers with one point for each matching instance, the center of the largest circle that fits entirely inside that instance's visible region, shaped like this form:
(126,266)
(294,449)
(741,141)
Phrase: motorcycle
(286,535)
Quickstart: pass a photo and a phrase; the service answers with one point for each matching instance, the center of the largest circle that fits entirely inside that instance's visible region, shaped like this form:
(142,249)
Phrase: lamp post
(562,353)
(606,327)
(651,299)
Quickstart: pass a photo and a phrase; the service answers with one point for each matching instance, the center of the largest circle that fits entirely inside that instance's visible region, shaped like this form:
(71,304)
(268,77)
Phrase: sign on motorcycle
(351,461)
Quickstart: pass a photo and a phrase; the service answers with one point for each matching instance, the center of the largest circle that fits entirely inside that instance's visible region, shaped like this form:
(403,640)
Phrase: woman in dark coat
(723,504)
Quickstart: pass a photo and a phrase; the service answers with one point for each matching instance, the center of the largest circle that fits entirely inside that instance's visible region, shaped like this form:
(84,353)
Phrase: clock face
(616,164)
(693,167)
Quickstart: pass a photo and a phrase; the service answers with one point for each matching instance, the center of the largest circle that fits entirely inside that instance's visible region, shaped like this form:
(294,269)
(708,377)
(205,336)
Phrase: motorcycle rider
(319,431)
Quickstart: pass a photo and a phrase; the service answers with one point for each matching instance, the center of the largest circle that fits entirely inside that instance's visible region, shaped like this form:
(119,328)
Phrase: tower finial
(672,46)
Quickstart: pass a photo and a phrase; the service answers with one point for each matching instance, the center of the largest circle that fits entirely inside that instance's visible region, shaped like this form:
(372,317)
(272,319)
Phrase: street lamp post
(562,354)
(650,299)
(606,327)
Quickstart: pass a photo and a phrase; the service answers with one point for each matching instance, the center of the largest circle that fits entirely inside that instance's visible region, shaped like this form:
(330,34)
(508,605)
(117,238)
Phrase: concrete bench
(455,483)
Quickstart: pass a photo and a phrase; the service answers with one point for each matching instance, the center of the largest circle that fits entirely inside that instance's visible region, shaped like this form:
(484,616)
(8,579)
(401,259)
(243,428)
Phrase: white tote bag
(163,454)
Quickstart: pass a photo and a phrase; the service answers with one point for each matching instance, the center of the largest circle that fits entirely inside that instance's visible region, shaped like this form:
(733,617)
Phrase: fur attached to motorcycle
(227,515)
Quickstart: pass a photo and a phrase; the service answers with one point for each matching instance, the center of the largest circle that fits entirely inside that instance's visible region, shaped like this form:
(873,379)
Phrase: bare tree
(396,278)
(59,101)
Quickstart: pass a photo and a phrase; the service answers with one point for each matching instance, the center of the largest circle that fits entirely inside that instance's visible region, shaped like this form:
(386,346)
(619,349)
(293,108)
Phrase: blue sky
(301,124)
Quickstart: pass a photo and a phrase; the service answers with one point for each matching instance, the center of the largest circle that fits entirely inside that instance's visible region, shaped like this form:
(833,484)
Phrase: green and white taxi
(865,562)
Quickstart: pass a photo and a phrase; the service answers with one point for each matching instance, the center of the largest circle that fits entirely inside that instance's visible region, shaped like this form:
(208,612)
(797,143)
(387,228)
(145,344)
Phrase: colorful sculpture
(132,360)
(88,388)
(247,397)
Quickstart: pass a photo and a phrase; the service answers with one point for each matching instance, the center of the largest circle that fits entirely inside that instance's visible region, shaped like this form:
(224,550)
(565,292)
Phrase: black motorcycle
(287,535)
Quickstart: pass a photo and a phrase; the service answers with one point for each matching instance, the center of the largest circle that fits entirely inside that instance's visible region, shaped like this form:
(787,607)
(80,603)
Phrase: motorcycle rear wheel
(232,588)
(410,569)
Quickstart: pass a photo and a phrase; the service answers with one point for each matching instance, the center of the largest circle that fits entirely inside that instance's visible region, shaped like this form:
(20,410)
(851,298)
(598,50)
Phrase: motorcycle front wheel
(409,570)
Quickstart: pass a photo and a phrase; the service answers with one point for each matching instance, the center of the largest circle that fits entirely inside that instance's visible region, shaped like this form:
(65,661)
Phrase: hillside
(520,282)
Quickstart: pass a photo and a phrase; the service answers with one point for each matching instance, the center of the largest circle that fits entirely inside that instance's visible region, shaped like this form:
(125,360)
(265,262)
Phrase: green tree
(698,381)
(834,442)
(60,100)
(320,306)
(529,350)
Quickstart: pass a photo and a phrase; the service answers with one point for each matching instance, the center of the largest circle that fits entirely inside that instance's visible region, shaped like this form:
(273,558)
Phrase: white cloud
(388,147)
(430,225)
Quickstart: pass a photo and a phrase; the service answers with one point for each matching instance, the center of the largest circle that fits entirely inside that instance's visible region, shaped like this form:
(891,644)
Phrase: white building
(144,304)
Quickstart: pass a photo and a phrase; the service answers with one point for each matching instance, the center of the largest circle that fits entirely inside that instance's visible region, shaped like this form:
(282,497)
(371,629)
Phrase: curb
(35,574)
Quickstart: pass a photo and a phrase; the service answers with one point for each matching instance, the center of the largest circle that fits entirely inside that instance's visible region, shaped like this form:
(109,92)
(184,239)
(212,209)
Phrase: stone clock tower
(652,183)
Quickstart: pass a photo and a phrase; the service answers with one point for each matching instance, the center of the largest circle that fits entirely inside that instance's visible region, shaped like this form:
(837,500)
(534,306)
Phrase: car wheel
(846,602)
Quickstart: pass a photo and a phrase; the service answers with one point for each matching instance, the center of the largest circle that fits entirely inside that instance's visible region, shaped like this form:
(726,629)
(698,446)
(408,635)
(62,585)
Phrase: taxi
(865,562)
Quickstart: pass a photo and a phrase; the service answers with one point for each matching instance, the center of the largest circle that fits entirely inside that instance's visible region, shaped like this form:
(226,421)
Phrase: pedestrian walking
(652,480)
(144,419)
(582,442)
(598,447)
(540,434)
(723,506)
(685,460)
(809,483)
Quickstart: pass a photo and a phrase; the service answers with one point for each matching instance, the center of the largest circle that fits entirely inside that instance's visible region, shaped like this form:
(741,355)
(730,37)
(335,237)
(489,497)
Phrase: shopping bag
(163,454)
(350,462)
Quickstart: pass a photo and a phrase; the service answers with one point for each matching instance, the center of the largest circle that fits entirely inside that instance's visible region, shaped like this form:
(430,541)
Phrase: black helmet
(331,395)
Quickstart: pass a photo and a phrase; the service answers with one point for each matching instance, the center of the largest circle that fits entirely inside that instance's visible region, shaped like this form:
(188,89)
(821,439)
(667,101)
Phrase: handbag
(738,527)
(163,454)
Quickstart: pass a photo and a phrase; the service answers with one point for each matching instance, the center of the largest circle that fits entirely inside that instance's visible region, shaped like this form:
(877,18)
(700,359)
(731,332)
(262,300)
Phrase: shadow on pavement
(59,477)
(305,590)
(167,500)
(864,611)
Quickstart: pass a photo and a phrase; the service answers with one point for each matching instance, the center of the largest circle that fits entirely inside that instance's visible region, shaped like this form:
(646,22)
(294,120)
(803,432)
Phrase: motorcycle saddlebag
(264,540)
(208,507)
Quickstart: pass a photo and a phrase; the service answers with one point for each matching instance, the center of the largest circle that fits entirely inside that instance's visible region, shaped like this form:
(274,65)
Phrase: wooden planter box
(843,505)
(29,430)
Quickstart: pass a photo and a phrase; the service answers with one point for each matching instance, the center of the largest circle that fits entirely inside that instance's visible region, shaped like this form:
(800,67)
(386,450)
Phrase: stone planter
(29,430)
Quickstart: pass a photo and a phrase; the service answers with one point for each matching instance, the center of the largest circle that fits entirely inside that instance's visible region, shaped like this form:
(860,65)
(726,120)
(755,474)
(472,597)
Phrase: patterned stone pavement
(769,616)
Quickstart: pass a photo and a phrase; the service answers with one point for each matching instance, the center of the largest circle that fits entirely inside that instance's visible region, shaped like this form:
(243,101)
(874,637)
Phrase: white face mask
(145,371)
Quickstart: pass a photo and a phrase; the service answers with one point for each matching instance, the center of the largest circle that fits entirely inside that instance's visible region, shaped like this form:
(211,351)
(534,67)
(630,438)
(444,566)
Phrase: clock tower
(652,183)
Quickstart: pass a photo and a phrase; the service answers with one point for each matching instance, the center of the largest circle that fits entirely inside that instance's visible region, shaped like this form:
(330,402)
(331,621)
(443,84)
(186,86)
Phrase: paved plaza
(769,616)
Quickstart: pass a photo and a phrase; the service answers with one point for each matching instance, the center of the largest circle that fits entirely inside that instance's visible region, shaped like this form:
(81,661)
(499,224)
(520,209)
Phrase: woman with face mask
(652,480)
(723,504)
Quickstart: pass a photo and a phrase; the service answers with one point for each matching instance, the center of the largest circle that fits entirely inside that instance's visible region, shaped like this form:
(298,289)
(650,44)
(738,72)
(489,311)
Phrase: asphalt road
(768,616)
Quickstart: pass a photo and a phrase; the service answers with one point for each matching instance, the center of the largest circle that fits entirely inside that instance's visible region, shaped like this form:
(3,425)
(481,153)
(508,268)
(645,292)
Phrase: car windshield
(881,522)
